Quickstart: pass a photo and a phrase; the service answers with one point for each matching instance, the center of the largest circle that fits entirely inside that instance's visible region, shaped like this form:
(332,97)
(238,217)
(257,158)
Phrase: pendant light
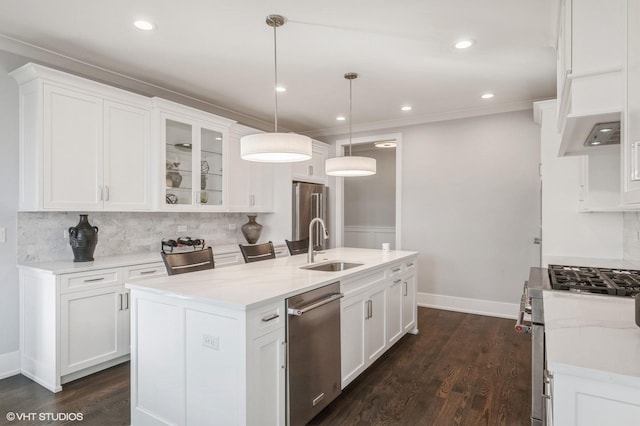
(275,147)
(350,165)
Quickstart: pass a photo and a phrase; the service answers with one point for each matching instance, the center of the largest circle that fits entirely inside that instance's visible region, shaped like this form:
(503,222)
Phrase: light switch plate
(182,228)
(3,235)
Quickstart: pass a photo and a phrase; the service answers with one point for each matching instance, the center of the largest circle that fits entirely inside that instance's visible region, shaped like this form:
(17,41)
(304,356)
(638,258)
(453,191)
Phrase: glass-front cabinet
(194,156)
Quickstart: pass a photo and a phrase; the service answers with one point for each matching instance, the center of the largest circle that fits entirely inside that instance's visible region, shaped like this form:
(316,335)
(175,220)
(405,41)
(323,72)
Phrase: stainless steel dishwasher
(313,341)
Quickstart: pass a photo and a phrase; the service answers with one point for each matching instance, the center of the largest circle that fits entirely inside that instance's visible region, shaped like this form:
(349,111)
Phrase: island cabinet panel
(409,305)
(226,366)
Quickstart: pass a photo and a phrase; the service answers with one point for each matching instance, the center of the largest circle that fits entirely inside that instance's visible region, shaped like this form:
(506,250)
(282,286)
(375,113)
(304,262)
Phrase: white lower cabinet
(74,324)
(93,327)
(377,310)
(589,401)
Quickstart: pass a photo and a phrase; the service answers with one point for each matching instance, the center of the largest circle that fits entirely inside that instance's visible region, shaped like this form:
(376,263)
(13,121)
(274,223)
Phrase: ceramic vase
(251,230)
(83,239)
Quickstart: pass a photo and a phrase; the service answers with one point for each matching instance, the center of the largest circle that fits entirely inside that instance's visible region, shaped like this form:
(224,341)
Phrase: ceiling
(221,52)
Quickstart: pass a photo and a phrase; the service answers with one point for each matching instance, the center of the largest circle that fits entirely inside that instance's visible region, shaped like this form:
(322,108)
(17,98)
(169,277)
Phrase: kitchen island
(209,347)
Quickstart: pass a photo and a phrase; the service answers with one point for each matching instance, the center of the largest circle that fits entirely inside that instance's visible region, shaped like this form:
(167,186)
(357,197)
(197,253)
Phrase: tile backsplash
(41,235)
(631,236)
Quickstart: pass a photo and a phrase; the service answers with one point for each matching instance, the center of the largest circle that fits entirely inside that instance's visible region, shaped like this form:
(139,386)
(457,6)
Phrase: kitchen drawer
(394,270)
(350,286)
(142,272)
(89,280)
(266,319)
(409,265)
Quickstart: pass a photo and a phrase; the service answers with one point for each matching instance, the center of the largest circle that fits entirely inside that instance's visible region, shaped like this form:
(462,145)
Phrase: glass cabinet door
(210,168)
(179,162)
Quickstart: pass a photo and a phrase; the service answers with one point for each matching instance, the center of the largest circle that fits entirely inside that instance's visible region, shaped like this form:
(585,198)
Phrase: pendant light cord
(350,110)
(275,86)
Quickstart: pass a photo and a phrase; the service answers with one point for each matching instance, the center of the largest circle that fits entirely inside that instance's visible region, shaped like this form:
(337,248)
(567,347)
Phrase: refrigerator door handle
(296,212)
(315,212)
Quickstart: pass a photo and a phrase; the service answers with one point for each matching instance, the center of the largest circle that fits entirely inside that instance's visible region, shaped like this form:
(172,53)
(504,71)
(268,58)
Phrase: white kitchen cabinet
(631,123)
(76,323)
(375,313)
(192,169)
(583,401)
(312,170)
(409,305)
(94,327)
(83,145)
(250,183)
(394,303)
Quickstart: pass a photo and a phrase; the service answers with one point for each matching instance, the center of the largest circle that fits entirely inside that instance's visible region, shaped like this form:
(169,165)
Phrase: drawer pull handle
(148,272)
(396,281)
(409,265)
(395,270)
(93,280)
(270,317)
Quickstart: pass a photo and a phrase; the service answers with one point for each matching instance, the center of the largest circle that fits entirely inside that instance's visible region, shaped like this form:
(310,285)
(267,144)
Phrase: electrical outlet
(232,227)
(3,235)
(212,342)
(65,234)
(182,228)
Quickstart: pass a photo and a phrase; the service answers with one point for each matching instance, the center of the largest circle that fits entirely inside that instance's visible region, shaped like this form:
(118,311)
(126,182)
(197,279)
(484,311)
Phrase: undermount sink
(332,266)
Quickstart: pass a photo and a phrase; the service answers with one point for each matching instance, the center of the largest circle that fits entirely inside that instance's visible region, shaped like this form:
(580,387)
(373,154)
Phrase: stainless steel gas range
(602,282)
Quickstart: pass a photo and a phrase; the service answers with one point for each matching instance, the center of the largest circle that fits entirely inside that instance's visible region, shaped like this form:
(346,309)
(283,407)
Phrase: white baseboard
(470,306)
(9,364)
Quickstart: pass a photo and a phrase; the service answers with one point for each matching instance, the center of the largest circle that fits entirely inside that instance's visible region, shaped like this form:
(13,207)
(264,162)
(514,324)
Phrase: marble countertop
(69,266)
(593,262)
(592,336)
(253,284)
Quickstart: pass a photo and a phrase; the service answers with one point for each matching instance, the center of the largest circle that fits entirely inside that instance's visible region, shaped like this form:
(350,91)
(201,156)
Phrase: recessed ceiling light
(487,96)
(464,44)
(341,118)
(218,139)
(281,89)
(386,144)
(143,25)
(606,129)
(406,108)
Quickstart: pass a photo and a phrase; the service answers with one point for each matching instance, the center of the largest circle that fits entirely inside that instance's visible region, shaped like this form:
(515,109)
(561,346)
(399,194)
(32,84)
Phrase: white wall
(371,200)
(471,206)
(8,212)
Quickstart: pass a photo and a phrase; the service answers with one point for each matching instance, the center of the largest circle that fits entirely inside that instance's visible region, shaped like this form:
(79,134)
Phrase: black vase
(83,239)
(251,230)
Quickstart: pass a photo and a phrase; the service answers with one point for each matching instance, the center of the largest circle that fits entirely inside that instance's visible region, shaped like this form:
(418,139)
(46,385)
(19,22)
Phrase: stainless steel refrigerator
(310,200)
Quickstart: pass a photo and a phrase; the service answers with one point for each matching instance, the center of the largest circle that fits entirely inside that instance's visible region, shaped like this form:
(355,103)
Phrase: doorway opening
(368,208)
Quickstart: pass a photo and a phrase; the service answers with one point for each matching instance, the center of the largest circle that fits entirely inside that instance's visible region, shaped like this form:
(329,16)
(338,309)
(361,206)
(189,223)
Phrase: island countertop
(592,336)
(253,284)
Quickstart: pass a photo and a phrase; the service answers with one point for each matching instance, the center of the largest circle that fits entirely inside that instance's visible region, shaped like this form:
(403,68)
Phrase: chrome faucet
(326,236)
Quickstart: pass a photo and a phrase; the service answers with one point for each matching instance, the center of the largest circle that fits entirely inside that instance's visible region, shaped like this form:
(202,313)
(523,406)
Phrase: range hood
(604,134)
(580,130)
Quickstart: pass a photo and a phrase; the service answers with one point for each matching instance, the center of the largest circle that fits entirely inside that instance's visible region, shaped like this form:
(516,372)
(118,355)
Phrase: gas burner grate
(618,282)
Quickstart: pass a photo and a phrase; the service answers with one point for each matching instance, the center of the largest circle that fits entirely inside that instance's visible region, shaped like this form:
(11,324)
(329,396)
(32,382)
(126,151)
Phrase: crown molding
(70,64)
(423,119)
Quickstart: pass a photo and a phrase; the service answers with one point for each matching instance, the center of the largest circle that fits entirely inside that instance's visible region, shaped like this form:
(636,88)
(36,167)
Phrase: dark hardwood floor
(461,369)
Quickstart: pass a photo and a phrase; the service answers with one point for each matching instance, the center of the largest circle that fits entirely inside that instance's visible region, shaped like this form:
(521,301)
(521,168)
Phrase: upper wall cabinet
(312,170)
(631,124)
(83,145)
(591,61)
(251,184)
(192,165)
